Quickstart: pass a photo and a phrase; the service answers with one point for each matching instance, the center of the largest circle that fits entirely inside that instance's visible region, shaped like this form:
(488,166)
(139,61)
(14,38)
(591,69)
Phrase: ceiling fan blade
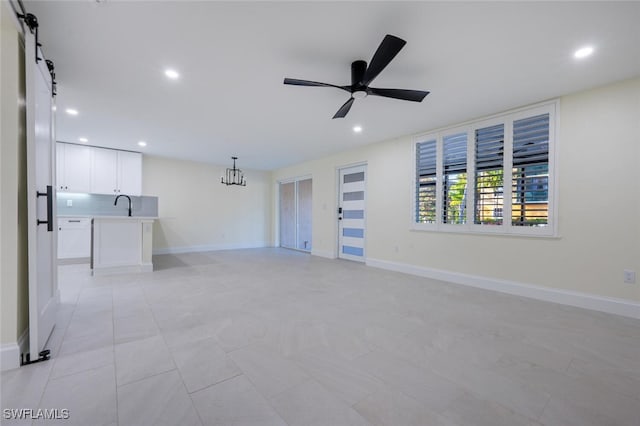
(344,109)
(387,50)
(403,94)
(296,82)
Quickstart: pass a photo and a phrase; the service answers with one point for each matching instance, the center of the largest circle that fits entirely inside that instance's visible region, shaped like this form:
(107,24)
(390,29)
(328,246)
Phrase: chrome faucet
(128,198)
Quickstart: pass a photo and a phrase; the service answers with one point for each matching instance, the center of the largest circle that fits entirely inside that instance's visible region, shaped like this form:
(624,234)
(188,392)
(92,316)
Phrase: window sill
(471,230)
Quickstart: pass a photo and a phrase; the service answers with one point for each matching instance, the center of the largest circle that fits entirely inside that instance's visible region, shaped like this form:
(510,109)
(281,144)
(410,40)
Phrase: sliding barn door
(43,294)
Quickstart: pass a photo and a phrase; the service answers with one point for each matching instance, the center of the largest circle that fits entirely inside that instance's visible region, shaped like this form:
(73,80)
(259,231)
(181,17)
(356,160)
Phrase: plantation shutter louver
(489,163)
(530,175)
(426,182)
(455,178)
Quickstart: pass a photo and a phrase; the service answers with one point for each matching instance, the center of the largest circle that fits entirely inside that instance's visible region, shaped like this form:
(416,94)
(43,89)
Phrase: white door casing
(352,213)
(42,226)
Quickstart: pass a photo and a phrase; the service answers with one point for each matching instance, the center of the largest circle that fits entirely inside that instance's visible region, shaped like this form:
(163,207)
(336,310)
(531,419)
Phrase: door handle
(49,195)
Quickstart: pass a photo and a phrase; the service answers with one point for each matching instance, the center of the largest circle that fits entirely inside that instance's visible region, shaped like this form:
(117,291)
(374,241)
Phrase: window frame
(506,228)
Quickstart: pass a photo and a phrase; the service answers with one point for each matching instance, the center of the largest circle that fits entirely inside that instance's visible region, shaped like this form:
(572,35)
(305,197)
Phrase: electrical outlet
(629,276)
(69,203)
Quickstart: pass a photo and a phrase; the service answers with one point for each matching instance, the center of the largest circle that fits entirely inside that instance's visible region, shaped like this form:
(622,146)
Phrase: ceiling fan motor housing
(358,69)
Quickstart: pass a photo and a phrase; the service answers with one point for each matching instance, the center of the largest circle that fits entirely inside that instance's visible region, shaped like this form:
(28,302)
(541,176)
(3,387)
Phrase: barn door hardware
(42,356)
(32,22)
(49,195)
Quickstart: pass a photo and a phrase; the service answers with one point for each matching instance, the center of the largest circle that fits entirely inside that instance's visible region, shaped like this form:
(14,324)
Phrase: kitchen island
(121,244)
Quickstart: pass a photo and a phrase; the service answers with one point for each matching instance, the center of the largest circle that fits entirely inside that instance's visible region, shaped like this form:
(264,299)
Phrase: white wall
(14,308)
(599,205)
(197,212)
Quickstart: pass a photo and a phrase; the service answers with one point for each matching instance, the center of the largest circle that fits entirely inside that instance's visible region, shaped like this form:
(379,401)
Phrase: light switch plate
(69,203)
(629,276)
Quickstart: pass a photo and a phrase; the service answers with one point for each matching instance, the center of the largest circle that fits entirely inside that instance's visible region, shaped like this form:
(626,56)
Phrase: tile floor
(276,337)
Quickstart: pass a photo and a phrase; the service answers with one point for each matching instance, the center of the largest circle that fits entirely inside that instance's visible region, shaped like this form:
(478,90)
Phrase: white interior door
(352,213)
(305,213)
(42,226)
(288,215)
(296,213)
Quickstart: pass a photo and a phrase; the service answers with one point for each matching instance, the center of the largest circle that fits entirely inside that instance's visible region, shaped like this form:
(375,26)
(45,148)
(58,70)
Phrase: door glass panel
(353,214)
(353,196)
(354,251)
(353,232)
(354,177)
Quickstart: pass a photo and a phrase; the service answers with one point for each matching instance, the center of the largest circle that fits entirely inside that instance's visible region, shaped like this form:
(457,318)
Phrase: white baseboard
(74,260)
(209,247)
(610,305)
(9,356)
(128,269)
(323,253)
(10,352)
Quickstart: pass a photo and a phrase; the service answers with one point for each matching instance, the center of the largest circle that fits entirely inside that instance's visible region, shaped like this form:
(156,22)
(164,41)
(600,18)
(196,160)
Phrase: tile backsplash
(71,204)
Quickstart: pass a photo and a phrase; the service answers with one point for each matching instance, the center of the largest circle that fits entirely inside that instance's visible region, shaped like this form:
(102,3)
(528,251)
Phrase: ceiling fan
(362,75)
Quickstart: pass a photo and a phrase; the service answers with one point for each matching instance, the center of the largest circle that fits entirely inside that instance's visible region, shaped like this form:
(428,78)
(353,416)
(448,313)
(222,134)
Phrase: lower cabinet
(74,237)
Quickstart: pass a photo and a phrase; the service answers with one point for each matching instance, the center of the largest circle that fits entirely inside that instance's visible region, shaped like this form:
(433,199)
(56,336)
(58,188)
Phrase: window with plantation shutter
(530,175)
(489,176)
(426,182)
(454,184)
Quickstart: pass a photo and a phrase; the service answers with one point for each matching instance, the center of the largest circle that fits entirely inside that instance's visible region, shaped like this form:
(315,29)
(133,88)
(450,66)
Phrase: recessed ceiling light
(357,129)
(583,52)
(172,74)
(142,143)
(71,111)
(83,140)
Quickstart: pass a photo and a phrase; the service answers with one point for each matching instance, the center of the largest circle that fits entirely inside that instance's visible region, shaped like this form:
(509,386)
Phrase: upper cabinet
(116,172)
(73,168)
(98,170)
(129,173)
(104,171)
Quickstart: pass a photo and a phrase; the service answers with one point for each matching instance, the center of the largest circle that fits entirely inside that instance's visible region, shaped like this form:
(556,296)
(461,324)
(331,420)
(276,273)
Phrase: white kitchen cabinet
(116,172)
(73,167)
(74,237)
(129,173)
(104,171)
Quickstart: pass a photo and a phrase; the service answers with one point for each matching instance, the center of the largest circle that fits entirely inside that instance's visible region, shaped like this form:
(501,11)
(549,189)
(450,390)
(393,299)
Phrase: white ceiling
(476,59)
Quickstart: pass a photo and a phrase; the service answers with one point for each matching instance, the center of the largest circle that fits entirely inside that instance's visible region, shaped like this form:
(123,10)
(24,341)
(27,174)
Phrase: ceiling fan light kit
(362,75)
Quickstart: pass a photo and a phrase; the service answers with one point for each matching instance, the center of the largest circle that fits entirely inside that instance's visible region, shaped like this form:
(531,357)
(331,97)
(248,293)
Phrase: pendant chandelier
(233,176)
